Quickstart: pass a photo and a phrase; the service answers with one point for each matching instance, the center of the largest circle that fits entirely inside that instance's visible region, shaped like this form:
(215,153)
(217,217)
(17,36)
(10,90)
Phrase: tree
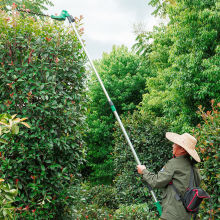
(123,74)
(184,61)
(37,6)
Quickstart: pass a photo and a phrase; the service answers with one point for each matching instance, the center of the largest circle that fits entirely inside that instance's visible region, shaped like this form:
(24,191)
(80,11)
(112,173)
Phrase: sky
(108,22)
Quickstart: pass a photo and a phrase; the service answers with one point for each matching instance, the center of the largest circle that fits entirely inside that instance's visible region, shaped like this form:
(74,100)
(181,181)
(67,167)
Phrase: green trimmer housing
(62,17)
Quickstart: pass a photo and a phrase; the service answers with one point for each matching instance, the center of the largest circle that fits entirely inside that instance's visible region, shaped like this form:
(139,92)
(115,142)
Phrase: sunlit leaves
(7,198)
(184,59)
(32,5)
(10,124)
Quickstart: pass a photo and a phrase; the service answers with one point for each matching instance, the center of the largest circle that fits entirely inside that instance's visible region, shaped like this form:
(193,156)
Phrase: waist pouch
(192,197)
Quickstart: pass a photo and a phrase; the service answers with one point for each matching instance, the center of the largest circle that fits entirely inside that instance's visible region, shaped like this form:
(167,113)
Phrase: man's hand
(140,168)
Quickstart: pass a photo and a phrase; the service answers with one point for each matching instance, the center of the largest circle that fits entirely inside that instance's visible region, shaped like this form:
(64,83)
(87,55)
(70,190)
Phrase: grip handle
(62,17)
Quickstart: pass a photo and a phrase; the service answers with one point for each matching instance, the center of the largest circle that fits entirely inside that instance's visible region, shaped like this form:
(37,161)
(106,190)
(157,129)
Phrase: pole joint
(112,106)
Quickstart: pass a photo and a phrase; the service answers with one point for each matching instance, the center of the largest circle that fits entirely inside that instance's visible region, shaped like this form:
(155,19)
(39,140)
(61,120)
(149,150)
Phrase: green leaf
(15,129)
(3,141)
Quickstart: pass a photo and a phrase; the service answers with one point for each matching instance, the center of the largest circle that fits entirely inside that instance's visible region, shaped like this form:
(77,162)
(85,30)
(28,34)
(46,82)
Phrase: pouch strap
(177,196)
(191,180)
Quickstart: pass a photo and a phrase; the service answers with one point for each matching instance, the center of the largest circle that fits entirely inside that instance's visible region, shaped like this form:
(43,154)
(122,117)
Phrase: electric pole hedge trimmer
(62,17)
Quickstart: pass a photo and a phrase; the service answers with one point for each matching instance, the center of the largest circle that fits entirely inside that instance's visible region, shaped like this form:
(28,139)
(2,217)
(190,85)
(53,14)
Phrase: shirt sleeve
(162,178)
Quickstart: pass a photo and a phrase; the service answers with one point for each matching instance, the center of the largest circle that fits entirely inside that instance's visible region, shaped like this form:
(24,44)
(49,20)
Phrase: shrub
(148,136)
(100,202)
(140,212)
(95,202)
(42,78)
(208,136)
(104,195)
(92,211)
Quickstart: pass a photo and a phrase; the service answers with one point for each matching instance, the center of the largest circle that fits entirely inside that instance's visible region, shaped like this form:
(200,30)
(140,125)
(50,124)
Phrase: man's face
(175,146)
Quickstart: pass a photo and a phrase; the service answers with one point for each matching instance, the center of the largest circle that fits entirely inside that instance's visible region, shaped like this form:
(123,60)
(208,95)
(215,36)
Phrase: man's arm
(159,180)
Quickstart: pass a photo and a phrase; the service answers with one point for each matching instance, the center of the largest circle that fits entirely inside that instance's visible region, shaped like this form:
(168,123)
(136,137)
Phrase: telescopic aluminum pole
(71,21)
(107,96)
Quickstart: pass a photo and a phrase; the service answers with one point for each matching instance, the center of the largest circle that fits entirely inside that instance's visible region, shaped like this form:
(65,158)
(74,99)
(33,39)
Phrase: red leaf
(11,64)
(14,6)
(56,60)
(48,39)
(27,207)
(30,55)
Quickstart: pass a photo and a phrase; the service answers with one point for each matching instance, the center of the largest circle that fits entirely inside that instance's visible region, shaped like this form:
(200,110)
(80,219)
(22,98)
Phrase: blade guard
(62,17)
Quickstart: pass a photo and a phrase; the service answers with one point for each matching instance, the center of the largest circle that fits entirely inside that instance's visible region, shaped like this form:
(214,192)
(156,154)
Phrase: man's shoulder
(171,161)
(170,164)
(179,161)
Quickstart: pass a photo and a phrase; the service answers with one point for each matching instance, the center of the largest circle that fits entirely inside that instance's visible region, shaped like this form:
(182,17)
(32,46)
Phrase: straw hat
(186,141)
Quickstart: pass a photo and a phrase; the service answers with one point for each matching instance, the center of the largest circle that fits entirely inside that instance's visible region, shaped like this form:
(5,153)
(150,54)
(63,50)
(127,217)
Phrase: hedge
(42,77)
(208,136)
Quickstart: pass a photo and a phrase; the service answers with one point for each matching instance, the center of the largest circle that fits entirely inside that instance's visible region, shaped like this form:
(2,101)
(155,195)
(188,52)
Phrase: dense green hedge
(93,202)
(128,197)
(100,202)
(42,78)
(135,211)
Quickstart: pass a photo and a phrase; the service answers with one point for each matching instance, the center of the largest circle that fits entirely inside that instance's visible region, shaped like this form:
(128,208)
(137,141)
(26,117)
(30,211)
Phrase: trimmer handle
(62,17)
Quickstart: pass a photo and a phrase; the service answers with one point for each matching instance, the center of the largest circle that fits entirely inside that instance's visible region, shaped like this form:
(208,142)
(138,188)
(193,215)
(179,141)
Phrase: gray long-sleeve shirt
(178,171)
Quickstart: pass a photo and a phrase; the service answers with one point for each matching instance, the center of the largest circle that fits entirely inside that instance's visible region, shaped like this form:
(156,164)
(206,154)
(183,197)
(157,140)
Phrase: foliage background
(147,134)
(184,58)
(182,73)
(123,74)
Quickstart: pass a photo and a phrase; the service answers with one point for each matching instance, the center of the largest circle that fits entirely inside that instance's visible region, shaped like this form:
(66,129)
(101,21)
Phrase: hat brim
(177,139)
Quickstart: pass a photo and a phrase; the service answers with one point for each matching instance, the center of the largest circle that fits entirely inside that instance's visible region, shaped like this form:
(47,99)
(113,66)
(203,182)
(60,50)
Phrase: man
(177,172)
